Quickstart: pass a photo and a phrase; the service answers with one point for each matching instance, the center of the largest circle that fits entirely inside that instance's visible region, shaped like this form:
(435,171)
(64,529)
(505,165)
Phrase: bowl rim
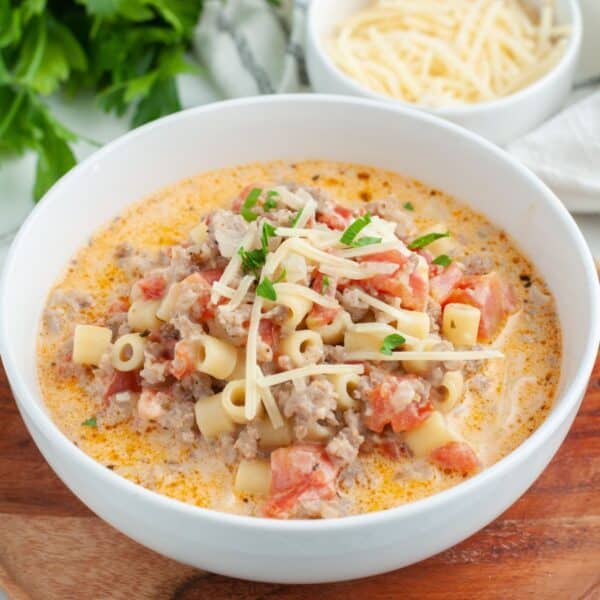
(568,58)
(42,421)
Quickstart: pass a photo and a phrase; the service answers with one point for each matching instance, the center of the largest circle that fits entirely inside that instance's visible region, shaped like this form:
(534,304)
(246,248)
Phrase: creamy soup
(302,340)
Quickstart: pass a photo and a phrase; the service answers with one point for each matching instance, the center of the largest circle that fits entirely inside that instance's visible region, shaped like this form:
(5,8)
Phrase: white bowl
(297,127)
(500,121)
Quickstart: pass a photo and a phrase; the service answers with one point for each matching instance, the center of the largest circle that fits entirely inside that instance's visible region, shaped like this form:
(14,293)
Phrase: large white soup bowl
(298,127)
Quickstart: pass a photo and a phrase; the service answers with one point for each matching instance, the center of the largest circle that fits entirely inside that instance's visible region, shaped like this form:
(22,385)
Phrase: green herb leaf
(270,202)
(325,284)
(252,260)
(249,203)
(427,239)
(354,229)
(266,290)
(409,206)
(126,52)
(91,422)
(268,231)
(281,276)
(365,241)
(443,260)
(296,218)
(391,342)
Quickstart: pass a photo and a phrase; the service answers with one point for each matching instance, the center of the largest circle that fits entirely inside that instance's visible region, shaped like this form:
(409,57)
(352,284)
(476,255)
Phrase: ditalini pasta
(345,342)
(445,52)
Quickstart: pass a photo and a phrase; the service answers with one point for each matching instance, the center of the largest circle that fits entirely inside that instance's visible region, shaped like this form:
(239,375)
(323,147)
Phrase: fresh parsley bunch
(127,51)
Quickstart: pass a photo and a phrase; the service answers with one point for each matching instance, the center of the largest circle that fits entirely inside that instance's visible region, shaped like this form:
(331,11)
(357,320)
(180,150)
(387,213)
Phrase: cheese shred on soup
(303,340)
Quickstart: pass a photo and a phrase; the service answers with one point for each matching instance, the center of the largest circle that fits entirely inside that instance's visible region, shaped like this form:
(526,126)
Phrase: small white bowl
(298,127)
(500,121)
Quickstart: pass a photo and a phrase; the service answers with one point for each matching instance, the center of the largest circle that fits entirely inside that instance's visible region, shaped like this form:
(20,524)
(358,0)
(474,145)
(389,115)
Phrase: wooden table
(546,546)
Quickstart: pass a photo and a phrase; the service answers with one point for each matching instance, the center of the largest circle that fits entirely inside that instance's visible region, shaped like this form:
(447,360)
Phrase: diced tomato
(390,256)
(318,313)
(302,472)
(236,205)
(338,219)
(120,305)
(322,315)
(383,411)
(152,287)
(390,447)
(269,333)
(123,381)
(411,417)
(455,456)
(490,295)
(212,275)
(412,288)
(183,362)
(201,283)
(442,285)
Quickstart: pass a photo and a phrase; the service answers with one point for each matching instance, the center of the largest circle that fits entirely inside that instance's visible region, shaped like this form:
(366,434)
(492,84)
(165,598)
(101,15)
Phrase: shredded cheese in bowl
(446,52)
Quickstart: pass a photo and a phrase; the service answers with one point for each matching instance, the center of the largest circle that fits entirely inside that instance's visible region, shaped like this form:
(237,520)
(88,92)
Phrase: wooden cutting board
(546,546)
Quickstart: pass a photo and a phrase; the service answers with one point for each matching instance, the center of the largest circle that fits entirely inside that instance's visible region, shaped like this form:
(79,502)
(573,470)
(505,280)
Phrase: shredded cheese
(239,295)
(444,52)
(309,371)
(233,267)
(424,355)
(372,249)
(405,318)
(308,210)
(306,292)
(251,405)
(270,404)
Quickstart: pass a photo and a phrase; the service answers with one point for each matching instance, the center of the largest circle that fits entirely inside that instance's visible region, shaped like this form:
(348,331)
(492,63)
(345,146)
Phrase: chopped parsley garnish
(91,422)
(324,284)
(281,276)
(354,229)
(365,241)
(296,218)
(390,343)
(409,206)
(266,290)
(249,204)
(254,260)
(270,202)
(427,239)
(268,231)
(443,260)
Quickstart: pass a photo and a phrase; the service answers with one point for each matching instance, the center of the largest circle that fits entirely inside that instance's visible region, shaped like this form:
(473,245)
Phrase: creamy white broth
(495,415)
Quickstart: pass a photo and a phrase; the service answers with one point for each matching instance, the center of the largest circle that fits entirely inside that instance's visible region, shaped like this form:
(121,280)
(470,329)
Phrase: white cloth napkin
(256,47)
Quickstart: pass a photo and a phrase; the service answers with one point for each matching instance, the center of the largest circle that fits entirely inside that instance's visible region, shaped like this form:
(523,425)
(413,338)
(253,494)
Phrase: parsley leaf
(365,241)
(409,206)
(268,231)
(427,239)
(443,260)
(354,229)
(390,343)
(296,218)
(91,422)
(127,52)
(252,260)
(266,290)
(324,284)
(282,276)
(249,204)
(270,202)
